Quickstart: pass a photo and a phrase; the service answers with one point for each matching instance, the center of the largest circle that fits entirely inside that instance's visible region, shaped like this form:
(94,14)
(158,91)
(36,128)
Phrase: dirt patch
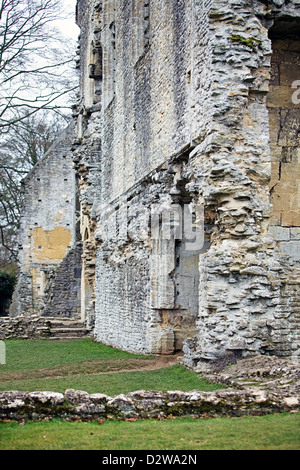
(102,366)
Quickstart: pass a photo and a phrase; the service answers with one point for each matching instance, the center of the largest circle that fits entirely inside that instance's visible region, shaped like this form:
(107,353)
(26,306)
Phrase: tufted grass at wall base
(271,432)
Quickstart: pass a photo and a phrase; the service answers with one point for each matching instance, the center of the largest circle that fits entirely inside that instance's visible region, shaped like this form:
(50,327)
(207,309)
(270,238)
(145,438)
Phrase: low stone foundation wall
(21,327)
(257,386)
(74,404)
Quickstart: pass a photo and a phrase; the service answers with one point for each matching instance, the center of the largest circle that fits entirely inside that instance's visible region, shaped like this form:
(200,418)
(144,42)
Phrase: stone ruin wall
(183,104)
(176,100)
(87,145)
(50,273)
(249,291)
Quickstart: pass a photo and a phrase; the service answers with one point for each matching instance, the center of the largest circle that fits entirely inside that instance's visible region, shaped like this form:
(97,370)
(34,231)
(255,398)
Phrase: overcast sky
(69,27)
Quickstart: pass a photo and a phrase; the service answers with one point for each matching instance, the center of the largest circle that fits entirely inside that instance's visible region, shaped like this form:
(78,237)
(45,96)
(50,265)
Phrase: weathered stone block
(291,248)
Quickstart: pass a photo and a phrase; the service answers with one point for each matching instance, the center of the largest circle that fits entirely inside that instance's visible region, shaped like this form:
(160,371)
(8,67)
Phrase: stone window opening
(95,69)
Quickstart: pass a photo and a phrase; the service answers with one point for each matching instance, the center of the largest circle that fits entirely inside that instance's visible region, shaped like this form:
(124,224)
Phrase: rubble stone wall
(244,274)
(48,233)
(179,107)
(22,327)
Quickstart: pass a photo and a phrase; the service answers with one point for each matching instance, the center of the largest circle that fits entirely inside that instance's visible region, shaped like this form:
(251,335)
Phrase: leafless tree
(26,143)
(35,60)
(37,78)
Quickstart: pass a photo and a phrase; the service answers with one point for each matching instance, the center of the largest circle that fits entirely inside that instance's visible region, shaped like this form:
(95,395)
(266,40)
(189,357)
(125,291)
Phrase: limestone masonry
(167,217)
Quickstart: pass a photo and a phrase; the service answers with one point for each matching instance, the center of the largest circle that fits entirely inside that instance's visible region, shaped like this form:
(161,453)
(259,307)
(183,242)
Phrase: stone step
(66,338)
(65,321)
(70,325)
(64,329)
(42,328)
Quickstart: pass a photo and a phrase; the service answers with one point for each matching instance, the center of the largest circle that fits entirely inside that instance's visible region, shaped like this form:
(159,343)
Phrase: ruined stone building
(169,219)
(50,258)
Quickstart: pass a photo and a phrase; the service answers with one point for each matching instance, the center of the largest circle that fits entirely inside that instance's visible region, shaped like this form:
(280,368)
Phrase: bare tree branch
(36,81)
(32,56)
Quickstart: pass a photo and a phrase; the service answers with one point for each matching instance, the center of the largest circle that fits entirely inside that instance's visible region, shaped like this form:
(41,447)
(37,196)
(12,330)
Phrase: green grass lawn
(93,367)
(171,378)
(272,432)
(24,355)
(86,365)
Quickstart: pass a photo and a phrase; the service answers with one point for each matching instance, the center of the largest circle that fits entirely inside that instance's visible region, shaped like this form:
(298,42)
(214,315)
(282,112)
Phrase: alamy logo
(157,222)
(296,94)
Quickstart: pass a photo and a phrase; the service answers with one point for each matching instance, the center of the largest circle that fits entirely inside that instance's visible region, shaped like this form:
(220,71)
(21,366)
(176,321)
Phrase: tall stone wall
(186,127)
(244,274)
(48,236)
(186,156)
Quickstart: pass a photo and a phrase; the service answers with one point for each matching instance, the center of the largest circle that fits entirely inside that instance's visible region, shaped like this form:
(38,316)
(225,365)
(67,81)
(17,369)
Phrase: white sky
(69,27)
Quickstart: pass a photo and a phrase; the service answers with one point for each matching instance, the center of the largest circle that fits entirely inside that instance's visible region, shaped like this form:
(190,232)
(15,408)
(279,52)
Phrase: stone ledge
(262,386)
(22,327)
